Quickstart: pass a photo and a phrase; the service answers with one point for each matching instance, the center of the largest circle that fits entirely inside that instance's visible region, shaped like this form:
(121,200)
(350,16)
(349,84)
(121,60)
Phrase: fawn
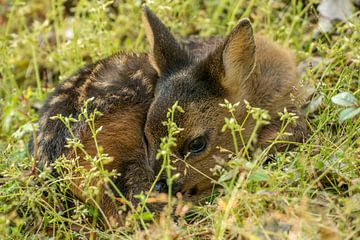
(238,67)
(134,91)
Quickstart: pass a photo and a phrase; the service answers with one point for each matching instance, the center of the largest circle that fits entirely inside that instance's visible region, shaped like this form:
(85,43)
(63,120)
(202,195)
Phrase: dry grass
(312,192)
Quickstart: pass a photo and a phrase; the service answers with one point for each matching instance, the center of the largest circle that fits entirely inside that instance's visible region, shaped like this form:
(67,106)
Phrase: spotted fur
(122,87)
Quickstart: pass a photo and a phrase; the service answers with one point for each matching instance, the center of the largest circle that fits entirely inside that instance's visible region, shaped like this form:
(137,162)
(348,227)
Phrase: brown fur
(122,86)
(239,67)
(134,91)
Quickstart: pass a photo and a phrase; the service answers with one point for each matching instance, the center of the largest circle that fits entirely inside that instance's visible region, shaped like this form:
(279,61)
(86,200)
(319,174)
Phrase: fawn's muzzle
(161,186)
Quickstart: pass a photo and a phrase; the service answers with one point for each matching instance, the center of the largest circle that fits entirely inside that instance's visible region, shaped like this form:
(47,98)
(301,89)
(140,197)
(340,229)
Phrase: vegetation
(310,192)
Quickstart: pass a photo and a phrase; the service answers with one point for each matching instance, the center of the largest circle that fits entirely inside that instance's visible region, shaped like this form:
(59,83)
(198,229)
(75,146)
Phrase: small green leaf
(180,109)
(228,175)
(259,175)
(314,104)
(348,113)
(24,129)
(145,216)
(345,99)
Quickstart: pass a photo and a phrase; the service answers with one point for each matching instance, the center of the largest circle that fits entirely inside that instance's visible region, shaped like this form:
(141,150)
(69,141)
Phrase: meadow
(309,192)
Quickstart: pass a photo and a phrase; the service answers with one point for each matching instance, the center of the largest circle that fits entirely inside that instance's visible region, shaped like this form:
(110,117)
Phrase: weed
(310,192)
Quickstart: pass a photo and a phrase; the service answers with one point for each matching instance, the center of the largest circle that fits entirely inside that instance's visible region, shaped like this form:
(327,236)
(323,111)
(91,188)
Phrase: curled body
(122,87)
(134,92)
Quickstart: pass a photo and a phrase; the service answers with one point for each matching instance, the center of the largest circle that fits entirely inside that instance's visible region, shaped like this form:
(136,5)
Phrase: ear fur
(165,52)
(234,61)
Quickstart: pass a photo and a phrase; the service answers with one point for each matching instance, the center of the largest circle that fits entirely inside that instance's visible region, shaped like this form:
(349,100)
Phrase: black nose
(161,186)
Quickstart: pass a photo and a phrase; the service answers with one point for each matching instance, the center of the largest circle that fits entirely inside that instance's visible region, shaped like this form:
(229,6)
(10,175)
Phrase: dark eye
(197,145)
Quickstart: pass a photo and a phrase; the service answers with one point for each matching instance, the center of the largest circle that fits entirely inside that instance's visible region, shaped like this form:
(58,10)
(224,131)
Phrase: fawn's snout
(177,187)
(161,186)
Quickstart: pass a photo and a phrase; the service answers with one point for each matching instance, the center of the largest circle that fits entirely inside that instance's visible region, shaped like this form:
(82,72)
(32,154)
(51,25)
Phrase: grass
(312,192)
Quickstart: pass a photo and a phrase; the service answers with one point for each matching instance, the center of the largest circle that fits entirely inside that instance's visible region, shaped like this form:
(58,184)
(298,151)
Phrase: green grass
(312,192)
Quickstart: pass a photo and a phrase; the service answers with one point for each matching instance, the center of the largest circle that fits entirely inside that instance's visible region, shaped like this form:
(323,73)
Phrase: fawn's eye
(197,145)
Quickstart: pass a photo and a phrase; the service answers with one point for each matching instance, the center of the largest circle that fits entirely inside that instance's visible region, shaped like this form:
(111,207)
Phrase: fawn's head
(199,85)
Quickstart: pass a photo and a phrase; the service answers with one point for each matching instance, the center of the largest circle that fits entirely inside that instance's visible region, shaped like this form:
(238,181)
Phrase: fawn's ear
(165,53)
(237,56)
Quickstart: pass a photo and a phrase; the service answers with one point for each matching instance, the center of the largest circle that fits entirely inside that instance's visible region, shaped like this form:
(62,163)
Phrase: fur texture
(238,67)
(134,91)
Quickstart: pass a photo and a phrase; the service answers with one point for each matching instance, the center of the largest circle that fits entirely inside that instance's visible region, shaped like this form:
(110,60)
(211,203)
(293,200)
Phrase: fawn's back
(122,87)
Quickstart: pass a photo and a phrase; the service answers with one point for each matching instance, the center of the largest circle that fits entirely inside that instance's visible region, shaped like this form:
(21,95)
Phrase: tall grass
(311,192)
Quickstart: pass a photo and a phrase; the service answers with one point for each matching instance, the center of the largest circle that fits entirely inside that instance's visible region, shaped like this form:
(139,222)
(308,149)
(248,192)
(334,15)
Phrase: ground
(310,192)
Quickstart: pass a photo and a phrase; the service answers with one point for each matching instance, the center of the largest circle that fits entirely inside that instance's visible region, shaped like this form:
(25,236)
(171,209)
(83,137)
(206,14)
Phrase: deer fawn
(238,67)
(134,91)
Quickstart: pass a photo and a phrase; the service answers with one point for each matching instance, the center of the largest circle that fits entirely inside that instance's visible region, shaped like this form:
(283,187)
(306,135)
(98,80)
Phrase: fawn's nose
(161,186)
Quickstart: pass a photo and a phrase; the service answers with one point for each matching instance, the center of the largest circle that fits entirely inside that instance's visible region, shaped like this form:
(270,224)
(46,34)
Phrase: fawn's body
(134,92)
(123,87)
